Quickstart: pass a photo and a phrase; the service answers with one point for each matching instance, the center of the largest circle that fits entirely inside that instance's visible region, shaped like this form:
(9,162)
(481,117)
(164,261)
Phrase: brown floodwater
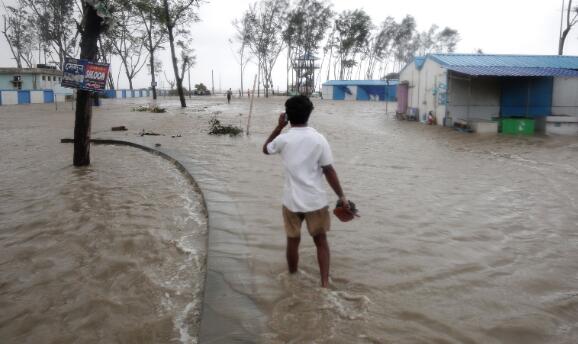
(462,238)
(111,253)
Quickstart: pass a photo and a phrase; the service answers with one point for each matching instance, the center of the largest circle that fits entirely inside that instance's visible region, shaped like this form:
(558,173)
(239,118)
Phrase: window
(44,78)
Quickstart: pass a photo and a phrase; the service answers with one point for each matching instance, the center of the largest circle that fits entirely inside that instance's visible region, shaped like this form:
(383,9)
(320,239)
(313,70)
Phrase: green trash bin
(517,126)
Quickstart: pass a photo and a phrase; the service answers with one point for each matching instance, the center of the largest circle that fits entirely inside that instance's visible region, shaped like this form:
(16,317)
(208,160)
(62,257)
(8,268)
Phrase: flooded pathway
(462,239)
(111,253)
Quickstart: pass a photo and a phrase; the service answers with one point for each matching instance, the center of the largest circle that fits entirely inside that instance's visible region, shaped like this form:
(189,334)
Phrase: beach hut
(377,90)
(483,91)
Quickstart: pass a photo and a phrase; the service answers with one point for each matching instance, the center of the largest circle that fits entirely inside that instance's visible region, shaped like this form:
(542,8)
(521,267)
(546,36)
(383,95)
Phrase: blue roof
(360,82)
(514,71)
(523,61)
(419,61)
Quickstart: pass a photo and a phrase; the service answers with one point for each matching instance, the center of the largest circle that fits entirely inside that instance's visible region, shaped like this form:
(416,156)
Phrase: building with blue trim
(478,87)
(31,85)
(377,90)
(42,85)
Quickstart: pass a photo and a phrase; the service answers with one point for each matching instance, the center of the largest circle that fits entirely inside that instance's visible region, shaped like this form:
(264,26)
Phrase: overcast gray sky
(495,26)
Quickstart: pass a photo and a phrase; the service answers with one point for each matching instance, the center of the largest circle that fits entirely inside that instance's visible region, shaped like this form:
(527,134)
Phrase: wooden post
(251,106)
(83,117)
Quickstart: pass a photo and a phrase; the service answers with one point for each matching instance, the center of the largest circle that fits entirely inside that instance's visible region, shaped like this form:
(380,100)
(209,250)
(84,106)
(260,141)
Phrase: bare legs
(323,256)
(293,254)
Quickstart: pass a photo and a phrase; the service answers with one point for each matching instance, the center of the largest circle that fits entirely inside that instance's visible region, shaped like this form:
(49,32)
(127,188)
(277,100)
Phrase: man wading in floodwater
(306,158)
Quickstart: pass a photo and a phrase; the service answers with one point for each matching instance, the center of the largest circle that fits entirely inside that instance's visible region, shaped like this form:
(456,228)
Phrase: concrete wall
(565,97)
(327,92)
(37,97)
(31,81)
(9,97)
(484,102)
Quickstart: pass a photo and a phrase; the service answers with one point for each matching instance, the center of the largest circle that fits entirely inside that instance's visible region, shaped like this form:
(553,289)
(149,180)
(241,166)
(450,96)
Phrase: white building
(478,88)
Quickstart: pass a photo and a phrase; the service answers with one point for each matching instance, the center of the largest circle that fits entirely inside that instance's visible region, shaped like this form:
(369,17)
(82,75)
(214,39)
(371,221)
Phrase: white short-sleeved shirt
(303,151)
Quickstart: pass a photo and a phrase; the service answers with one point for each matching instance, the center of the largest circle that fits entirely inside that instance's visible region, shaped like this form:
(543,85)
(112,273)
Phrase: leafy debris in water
(218,129)
(149,108)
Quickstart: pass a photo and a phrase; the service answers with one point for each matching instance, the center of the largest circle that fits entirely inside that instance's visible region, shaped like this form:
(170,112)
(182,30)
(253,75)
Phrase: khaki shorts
(318,222)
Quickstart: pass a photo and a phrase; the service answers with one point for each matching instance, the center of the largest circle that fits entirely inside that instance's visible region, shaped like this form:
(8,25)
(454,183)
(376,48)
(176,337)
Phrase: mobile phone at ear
(286,118)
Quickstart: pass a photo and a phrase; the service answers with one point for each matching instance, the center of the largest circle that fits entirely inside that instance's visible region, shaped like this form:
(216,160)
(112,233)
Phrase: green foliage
(266,20)
(307,24)
(201,88)
(218,129)
(57,26)
(353,31)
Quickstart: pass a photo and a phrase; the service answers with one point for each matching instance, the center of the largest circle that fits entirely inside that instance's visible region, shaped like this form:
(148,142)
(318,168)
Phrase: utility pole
(212,82)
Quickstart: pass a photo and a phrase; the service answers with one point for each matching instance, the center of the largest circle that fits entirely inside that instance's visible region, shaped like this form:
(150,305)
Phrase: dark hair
(298,109)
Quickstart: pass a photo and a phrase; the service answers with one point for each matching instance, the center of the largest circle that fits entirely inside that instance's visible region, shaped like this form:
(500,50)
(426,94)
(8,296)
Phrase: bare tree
(20,38)
(436,41)
(267,21)
(406,42)
(105,52)
(243,36)
(571,19)
(187,58)
(307,24)
(380,46)
(176,16)
(58,21)
(128,40)
(155,34)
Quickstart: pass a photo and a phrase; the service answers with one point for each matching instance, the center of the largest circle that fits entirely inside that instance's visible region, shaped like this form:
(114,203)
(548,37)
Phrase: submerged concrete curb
(228,278)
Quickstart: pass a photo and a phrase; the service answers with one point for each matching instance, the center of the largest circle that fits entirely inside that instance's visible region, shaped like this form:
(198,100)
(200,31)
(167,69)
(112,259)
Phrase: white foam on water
(186,245)
(346,305)
(182,327)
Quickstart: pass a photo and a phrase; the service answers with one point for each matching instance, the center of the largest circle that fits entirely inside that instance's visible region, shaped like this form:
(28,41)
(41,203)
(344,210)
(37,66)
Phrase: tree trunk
(569,25)
(153,79)
(174,56)
(259,80)
(242,67)
(562,41)
(82,125)
(288,58)
(152,55)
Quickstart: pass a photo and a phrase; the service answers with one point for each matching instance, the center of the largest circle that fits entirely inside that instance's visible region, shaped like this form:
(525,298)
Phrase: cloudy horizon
(496,27)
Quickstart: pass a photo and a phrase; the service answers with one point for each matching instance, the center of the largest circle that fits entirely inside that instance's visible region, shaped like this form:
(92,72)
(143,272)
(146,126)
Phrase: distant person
(229,95)
(306,157)
(240,94)
(249,93)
